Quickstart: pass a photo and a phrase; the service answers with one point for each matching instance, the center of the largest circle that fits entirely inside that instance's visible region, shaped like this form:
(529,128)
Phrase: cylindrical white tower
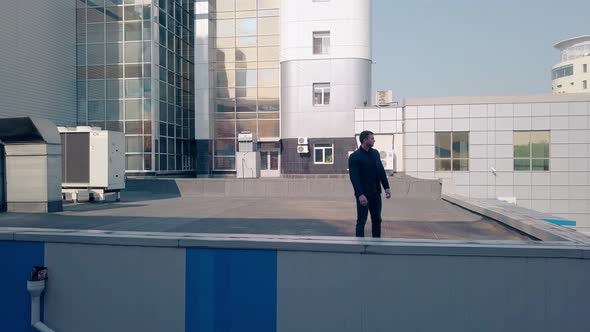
(571,74)
(325,66)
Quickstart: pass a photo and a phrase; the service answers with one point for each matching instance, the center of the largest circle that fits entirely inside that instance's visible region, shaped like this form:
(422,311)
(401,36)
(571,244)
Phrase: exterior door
(270,161)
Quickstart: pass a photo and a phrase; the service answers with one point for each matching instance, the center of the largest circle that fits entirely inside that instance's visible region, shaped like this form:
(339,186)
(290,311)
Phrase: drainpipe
(35,287)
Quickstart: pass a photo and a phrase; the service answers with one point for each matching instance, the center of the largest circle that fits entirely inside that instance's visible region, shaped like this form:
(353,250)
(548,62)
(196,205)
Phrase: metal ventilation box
(92,158)
(384,98)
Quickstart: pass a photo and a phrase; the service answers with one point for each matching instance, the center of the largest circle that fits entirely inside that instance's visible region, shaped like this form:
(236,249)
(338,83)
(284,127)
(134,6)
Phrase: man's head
(367,139)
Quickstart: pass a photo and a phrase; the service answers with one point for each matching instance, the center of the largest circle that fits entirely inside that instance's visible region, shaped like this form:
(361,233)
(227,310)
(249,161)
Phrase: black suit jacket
(366,172)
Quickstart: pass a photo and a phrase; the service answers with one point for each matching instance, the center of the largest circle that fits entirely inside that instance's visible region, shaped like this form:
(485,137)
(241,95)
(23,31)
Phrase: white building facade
(571,74)
(532,149)
(283,70)
(325,74)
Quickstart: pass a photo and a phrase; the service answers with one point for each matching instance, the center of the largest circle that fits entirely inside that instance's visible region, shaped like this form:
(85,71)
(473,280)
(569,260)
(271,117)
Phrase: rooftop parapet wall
(179,282)
(401,186)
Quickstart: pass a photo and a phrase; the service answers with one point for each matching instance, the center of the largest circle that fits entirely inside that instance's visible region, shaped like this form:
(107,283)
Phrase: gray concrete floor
(402,218)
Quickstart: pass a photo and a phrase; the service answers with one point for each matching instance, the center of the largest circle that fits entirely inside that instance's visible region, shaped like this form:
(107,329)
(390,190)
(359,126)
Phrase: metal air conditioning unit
(302,149)
(384,98)
(302,141)
(93,160)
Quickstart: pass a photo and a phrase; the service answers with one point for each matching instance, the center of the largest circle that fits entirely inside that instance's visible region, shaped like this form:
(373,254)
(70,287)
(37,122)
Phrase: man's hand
(388,193)
(363,200)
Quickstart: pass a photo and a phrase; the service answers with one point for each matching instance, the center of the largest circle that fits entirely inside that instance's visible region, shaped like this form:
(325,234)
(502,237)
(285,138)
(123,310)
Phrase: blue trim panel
(561,222)
(231,290)
(16,261)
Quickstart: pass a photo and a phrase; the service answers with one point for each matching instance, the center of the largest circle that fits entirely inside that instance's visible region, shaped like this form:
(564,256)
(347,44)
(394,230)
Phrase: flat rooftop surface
(403,218)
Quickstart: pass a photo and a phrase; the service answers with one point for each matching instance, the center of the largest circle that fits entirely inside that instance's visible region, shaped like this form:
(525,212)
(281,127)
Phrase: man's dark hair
(365,134)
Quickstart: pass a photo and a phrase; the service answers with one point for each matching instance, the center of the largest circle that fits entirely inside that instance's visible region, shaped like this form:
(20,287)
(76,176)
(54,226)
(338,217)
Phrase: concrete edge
(305,243)
(110,239)
(6,236)
(484,251)
(527,225)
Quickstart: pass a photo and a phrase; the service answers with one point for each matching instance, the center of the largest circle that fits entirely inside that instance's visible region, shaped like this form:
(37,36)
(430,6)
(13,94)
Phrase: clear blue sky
(471,47)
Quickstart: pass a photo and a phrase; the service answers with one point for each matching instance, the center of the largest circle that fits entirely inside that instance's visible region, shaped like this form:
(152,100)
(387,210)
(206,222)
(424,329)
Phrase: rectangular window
(321,42)
(585,85)
(531,151)
(323,154)
(585,68)
(321,94)
(563,71)
(452,151)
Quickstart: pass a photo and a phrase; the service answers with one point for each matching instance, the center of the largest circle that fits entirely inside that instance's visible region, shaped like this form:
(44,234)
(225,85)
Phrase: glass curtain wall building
(135,74)
(244,67)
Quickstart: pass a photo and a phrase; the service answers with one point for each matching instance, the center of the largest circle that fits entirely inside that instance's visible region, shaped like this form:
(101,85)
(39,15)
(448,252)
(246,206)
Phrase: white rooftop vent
(384,98)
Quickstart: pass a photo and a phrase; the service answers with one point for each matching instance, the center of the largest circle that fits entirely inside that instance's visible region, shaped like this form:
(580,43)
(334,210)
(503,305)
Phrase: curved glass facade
(135,75)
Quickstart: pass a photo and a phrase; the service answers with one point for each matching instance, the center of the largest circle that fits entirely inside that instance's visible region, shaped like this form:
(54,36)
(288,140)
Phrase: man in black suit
(367,176)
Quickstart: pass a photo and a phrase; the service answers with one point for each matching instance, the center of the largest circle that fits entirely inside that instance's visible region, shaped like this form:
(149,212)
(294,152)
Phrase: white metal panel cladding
(345,66)
(124,283)
(38,60)
(564,190)
(348,21)
(352,292)
(349,89)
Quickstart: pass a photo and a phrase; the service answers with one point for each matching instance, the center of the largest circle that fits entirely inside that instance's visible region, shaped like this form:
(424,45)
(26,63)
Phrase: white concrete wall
(563,191)
(38,60)
(347,66)
(573,83)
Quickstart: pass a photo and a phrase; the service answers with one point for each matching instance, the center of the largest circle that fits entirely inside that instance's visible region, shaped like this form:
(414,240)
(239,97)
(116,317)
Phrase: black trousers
(374,206)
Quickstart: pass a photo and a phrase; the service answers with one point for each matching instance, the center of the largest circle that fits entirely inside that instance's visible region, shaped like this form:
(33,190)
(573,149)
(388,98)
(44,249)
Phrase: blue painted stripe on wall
(562,222)
(16,262)
(231,290)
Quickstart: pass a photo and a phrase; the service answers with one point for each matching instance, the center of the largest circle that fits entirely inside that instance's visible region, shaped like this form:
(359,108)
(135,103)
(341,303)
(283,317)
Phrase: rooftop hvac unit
(302,141)
(384,98)
(92,159)
(302,149)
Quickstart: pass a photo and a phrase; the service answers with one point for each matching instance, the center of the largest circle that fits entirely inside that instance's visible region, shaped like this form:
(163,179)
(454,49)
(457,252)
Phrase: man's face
(370,141)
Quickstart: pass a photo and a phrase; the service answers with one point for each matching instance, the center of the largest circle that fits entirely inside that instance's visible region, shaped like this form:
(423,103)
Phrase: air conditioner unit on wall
(302,149)
(384,98)
(302,141)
